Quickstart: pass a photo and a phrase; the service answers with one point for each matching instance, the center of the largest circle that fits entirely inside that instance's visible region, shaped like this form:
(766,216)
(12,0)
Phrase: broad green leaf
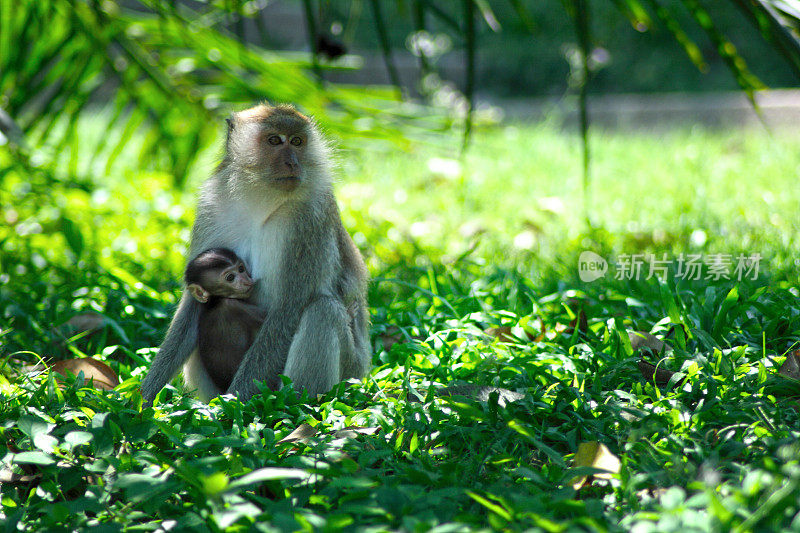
(215,483)
(33,458)
(268,474)
(32,425)
(77,438)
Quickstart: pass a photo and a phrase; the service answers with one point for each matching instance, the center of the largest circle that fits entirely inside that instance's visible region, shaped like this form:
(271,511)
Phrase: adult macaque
(271,202)
(228,323)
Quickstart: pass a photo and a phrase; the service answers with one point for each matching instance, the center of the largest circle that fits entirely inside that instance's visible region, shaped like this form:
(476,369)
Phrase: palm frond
(779,23)
(165,68)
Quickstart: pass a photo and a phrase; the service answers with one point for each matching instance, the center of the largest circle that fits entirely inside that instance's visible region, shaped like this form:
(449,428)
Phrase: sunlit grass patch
(476,281)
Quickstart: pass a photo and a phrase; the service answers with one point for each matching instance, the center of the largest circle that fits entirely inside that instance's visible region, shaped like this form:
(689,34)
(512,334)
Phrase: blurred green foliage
(161,79)
(634,47)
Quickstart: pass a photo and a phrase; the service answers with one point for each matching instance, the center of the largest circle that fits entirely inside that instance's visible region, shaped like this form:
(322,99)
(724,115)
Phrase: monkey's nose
(292,163)
(294,168)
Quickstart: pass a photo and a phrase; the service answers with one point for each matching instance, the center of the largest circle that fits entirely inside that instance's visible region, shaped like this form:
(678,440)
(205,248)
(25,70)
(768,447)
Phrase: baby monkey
(228,323)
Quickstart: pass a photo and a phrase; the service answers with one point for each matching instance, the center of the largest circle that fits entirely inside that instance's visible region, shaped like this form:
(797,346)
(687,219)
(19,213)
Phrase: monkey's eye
(230,278)
(241,268)
(296,141)
(274,140)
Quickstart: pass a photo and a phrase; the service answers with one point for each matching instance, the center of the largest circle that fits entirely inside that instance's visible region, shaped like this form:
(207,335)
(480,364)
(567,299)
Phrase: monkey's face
(234,282)
(275,147)
(282,153)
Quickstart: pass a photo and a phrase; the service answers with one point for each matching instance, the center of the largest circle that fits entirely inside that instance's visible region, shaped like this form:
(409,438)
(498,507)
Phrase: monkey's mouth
(286,183)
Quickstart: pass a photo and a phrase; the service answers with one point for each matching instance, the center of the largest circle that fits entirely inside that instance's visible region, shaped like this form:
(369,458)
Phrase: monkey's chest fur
(268,239)
(261,244)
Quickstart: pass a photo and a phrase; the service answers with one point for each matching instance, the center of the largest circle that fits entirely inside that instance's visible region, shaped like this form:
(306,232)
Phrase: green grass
(492,241)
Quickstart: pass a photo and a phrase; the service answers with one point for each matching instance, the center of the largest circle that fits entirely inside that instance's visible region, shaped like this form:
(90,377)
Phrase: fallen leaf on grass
(651,493)
(641,340)
(535,329)
(7,476)
(785,382)
(594,455)
(532,330)
(352,432)
(393,335)
(481,393)
(94,371)
(791,367)
(88,322)
(302,433)
(85,323)
(661,376)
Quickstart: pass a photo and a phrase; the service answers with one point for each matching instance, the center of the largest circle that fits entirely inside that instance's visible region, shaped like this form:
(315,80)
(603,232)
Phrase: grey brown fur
(311,278)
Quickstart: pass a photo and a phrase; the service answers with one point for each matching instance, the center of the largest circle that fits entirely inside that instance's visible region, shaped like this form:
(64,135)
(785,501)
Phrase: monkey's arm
(252,313)
(352,280)
(178,345)
(352,283)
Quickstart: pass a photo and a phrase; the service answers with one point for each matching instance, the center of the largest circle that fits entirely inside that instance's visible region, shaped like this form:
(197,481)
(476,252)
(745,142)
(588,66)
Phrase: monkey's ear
(199,293)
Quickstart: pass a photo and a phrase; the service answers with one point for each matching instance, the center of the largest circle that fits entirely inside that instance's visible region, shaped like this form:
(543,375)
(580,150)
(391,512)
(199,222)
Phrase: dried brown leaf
(301,433)
(481,393)
(88,323)
(7,476)
(580,322)
(391,337)
(642,340)
(651,372)
(653,492)
(661,376)
(94,371)
(535,330)
(791,367)
(352,432)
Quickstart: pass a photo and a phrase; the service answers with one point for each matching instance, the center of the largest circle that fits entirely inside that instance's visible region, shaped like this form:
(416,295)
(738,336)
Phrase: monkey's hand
(266,358)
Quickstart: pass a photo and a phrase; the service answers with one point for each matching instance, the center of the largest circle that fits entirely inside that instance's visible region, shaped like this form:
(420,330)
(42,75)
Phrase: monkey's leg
(315,354)
(196,377)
